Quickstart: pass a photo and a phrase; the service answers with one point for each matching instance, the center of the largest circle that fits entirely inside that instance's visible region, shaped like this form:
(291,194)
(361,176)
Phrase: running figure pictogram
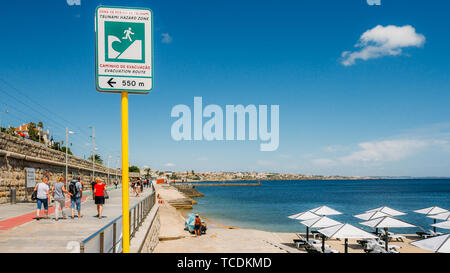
(127,34)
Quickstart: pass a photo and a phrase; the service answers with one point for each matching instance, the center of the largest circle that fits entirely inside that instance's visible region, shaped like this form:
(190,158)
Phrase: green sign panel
(124,49)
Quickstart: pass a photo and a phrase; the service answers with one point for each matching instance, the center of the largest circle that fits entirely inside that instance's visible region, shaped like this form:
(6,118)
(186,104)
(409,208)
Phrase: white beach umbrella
(431,211)
(388,210)
(371,215)
(441,216)
(320,222)
(306,215)
(346,231)
(439,244)
(444,225)
(324,210)
(387,222)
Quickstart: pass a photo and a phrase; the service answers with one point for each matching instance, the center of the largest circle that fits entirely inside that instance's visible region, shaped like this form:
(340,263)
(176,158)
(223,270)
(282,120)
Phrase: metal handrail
(143,208)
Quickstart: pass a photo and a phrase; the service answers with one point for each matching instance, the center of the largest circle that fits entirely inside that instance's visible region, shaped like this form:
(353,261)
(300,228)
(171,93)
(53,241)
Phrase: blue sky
(386,115)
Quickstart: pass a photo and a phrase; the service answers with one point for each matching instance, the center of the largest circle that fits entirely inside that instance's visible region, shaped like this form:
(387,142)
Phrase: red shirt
(99,189)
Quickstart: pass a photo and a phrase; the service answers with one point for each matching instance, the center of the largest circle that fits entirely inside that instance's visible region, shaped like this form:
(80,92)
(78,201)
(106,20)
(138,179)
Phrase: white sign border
(114,90)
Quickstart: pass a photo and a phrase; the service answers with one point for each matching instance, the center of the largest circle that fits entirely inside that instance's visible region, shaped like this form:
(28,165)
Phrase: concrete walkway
(50,236)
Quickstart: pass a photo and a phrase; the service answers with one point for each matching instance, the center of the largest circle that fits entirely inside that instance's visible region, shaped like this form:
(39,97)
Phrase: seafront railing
(108,239)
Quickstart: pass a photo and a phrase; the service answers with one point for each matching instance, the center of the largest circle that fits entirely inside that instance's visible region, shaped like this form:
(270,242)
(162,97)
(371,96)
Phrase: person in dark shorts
(197,225)
(99,195)
(93,183)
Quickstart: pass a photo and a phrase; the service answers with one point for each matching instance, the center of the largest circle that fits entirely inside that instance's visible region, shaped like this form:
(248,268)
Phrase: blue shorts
(76,201)
(42,201)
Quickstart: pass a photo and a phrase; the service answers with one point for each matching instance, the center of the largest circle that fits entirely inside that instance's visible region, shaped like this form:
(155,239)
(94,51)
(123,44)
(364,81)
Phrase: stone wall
(16,154)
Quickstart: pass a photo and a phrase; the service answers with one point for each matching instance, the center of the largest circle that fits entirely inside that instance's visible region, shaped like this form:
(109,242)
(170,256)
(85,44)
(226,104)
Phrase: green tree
(133,169)
(63,149)
(98,159)
(33,132)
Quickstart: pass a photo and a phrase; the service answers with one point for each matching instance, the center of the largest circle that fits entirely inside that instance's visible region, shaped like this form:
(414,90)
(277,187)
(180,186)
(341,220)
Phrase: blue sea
(267,207)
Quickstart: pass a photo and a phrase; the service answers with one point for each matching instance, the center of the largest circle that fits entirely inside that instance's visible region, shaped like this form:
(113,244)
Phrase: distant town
(193,176)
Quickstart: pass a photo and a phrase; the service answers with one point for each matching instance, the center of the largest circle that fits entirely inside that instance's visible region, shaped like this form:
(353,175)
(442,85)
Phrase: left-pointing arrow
(110,82)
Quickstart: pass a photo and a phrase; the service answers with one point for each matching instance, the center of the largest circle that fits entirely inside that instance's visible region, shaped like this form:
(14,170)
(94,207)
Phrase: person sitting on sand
(197,225)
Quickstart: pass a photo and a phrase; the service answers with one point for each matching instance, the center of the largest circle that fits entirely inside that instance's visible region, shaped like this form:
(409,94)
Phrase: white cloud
(166,38)
(169,165)
(387,150)
(383,41)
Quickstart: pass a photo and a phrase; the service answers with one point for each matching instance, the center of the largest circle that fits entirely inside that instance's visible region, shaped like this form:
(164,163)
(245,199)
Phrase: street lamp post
(67,152)
(93,152)
(108,169)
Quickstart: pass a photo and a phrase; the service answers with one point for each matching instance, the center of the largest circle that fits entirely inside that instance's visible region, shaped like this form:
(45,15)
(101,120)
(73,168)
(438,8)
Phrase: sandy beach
(224,239)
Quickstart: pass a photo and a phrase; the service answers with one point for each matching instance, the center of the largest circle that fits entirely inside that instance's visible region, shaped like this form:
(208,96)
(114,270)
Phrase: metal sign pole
(125,187)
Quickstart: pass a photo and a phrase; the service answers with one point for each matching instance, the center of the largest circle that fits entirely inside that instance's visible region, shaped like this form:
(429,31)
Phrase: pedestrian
(99,193)
(116,183)
(58,191)
(138,187)
(92,186)
(76,189)
(43,197)
(133,185)
(141,184)
(197,225)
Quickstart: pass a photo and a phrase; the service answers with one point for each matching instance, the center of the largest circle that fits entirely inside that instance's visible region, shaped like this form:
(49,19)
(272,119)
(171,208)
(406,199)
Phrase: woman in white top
(43,196)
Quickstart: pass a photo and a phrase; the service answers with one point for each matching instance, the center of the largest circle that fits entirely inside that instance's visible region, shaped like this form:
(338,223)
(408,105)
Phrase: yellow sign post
(124,64)
(125,179)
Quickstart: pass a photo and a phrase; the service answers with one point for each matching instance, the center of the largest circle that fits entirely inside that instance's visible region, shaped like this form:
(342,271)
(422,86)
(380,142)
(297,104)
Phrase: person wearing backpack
(76,191)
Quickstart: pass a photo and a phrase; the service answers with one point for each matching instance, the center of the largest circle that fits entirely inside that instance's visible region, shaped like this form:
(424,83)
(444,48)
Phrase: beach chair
(433,234)
(374,247)
(311,249)
(300,242)
(393,236)
(315,233)
(423,234)
(330,251)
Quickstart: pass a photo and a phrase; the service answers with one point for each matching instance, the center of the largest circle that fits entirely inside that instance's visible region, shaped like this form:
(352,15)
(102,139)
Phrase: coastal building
(44,136)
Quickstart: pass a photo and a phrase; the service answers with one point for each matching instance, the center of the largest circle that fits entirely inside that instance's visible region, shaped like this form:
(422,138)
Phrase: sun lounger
(433,234)
(311,249)
(315,233)
(393,236)
(376,249)
(423,234)
(330,251)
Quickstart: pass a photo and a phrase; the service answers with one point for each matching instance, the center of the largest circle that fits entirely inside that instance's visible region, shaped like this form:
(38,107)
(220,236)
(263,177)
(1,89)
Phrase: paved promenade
(19,232)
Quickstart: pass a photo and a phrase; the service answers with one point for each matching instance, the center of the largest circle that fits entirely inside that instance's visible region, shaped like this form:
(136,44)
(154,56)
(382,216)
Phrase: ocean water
(267,207)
